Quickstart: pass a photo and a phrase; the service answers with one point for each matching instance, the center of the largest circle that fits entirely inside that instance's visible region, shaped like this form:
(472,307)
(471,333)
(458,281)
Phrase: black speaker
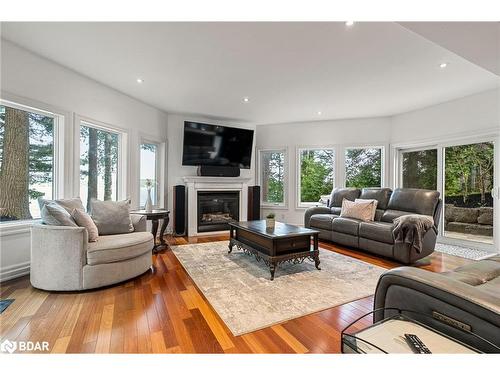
(253,212)
(180,211)
(218,171)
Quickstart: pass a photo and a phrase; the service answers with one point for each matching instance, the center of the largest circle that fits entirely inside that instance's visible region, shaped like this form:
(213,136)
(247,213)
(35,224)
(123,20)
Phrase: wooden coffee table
(286,243)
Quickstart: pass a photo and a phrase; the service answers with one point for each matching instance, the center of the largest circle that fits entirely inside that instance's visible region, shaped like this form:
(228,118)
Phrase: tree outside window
(26,162)
(316,173)
(98,164)
(273,177)
(363,167)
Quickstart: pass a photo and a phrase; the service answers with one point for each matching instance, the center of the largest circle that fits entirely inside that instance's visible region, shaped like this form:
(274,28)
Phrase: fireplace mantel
(203,183)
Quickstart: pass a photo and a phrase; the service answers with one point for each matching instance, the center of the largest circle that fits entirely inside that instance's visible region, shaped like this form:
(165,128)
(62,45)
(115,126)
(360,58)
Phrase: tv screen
(206,144)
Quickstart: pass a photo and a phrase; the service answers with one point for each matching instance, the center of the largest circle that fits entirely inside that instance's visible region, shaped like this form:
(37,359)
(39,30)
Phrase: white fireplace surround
(194,184)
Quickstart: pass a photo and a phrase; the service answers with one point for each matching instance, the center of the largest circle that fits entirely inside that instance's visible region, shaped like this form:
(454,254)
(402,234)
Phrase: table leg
(272,268)
(162,231)
(316,251)
(231,236)
(154,230)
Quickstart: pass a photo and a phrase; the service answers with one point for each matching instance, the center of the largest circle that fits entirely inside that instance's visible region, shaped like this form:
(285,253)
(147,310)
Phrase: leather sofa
(376,237)
(454,303)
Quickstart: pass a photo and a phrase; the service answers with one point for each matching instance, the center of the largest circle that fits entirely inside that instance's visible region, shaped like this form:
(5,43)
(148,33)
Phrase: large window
(98,163)
(419,169)
(363,167)
(148,172)
(26,161)
(316,173)
(272,177)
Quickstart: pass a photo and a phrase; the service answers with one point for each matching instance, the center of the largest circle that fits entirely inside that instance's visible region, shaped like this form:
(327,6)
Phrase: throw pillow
(111,217)
(54,214)
(68,204)
(374,203)
(357,210)
(83,219)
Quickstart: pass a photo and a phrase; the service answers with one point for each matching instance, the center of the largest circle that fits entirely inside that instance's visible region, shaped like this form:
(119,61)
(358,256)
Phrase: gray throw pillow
(68,204)
(111,217)
(54,214)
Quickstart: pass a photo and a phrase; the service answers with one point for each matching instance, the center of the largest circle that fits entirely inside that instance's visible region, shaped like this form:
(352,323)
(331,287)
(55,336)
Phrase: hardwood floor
(164,312)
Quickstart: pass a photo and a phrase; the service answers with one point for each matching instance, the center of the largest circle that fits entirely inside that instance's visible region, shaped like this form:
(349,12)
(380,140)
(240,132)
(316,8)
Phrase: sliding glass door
(464,174)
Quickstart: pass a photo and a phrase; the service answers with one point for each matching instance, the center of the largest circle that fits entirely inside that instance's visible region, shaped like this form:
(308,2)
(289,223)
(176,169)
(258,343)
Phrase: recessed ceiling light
(349,23)
(246,99)
(320,113)
(443,65)
(139,80)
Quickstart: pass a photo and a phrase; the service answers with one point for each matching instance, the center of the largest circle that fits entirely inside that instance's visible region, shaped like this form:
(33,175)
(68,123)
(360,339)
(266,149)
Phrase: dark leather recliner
(376,237)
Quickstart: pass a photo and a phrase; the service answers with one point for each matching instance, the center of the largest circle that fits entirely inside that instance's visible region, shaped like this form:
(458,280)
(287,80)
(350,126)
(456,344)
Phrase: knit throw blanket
(411,229)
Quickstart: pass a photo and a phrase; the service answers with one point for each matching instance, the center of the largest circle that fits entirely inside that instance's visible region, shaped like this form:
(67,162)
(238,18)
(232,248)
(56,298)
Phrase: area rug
(4,303)
(240,290)
(462,252)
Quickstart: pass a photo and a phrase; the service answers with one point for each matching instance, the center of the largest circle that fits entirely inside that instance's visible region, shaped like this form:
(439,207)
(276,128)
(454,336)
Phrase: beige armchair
(62,259)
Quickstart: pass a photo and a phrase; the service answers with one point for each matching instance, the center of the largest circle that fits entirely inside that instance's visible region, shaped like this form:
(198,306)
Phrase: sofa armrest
(60,251)
(139,222)
(313,211)
(434,294)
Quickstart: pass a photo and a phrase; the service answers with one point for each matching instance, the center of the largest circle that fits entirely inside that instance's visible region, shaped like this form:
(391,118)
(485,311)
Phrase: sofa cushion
(389,215)
(346,225)
(54,214)
(417,201)
(377,231)
(322,221)
(339,194)
(111,217)
(118,247)
(68,204)
(381,195)
(83,219)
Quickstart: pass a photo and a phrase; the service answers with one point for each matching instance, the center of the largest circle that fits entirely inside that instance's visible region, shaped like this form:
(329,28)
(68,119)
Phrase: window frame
(158,171)
(382,162)
(122,162)
(58,167)
(269,205)
(299,149)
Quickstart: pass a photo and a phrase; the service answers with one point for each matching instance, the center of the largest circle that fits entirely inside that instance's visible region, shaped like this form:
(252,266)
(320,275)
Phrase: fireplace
(216,209)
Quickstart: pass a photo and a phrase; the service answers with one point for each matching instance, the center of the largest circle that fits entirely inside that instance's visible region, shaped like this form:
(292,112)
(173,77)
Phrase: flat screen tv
(216,145)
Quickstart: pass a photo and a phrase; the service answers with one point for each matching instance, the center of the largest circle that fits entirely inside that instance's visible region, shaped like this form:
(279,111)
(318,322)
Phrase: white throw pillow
(374,203)
(357,210)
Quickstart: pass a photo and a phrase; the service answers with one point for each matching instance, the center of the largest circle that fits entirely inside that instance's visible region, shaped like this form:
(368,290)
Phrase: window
(363,167)
(148,171)
(316,173)
(272,177)
(98,163)
(26,161)
(419,169)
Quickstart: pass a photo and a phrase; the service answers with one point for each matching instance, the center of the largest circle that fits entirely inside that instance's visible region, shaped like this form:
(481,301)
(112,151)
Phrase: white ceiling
(290,71)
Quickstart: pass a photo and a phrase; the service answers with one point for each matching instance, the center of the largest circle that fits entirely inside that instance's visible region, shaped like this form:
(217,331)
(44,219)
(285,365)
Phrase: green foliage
(363,167)
(273,179)
(316,174)
(270,215)
(420,169)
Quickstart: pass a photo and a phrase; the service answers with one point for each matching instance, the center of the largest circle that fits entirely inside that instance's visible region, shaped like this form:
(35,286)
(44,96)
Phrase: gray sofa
(467,298)
(62,259)
(376,237)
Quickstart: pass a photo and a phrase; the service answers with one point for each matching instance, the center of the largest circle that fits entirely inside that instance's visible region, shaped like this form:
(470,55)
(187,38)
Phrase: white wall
(35,81)
(338,133)
(175,141)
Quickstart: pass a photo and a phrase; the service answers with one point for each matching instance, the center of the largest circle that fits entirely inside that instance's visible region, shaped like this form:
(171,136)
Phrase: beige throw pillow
(68,204)
(83,219)
(111,217)
(374,203)
(357,210)
(54,214)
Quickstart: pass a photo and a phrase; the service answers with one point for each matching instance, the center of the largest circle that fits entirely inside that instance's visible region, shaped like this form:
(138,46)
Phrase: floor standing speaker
(180,210)
(253,203)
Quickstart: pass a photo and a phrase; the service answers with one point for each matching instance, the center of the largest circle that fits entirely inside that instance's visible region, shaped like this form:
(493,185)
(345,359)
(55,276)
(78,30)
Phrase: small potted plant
(270,220)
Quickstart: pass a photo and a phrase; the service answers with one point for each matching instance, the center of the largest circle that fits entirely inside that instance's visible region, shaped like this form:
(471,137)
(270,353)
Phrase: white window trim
(123,153)
(382,162)
(267,205)
(58,174)
(159,170)
(299,149)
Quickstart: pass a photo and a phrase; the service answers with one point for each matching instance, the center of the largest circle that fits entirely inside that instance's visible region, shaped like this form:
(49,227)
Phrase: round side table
(155,216)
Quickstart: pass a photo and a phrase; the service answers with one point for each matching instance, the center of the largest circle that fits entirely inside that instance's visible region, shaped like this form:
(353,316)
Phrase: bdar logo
(8,346)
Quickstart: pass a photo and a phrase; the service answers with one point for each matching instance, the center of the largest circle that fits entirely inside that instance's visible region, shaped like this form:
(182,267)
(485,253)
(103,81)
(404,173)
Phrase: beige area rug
(240,290)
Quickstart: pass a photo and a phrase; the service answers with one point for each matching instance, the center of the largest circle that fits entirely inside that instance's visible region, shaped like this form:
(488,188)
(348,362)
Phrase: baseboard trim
(14,271)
